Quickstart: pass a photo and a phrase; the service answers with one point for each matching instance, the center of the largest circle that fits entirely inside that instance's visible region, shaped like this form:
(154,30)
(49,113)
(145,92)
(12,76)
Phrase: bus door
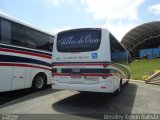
(19,77)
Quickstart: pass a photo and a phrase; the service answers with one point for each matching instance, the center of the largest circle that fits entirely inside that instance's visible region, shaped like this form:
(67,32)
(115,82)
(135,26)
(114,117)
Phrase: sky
(118,16)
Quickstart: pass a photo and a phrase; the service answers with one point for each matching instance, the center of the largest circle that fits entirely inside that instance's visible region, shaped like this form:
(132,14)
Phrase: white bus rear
(89,59)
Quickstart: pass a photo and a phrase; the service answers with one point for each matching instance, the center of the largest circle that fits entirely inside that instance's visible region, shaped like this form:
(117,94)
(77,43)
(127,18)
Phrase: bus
(89,59)
(25,55)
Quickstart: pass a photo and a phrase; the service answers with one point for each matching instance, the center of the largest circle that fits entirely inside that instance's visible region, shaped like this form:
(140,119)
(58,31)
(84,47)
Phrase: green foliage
(142,68)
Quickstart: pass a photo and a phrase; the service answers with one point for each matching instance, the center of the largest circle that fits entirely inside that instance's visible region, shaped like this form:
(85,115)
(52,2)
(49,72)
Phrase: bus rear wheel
(39,82)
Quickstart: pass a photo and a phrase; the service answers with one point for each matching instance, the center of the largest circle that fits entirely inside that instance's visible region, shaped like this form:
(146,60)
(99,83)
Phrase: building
(144,36)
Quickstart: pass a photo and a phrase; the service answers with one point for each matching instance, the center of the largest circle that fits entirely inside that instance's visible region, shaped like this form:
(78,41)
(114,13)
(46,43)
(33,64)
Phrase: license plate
(75,76)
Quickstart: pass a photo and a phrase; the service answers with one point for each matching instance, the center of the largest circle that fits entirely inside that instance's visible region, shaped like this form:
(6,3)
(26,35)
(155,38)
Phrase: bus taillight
(105,65)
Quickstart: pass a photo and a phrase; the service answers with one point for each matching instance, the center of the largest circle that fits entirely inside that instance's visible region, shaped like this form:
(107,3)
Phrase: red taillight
(105,65)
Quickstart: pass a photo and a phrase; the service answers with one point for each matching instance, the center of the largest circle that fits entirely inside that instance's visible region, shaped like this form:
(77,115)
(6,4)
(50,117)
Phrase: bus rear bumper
(105,87)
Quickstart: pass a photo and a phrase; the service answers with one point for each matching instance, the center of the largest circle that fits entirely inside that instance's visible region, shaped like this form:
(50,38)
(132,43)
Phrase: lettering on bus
(79,41)
(70,40)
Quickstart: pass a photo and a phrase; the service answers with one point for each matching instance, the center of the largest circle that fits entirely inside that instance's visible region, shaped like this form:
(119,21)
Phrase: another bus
(89,59)
(25,55)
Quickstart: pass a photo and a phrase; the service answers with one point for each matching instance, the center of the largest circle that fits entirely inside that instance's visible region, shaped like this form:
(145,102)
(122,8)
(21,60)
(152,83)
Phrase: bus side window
(29,41)
(36,39)
(118,53)
(115,51)
(42,41)
(5,31)
(17,34)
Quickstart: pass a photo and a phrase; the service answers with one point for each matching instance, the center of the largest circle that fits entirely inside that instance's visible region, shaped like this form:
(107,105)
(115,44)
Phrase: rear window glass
(79,40)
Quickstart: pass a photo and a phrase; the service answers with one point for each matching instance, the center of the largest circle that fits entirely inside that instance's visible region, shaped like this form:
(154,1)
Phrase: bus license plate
(75,76)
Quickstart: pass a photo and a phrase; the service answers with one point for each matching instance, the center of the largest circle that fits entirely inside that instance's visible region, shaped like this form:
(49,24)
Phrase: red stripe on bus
(24,52)
(98,75)
(23,65)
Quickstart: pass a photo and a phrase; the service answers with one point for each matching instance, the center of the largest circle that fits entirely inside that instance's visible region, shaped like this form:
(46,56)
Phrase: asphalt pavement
(135,98)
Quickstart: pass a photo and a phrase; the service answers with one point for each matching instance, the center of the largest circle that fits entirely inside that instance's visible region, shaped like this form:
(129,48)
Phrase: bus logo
(94,55)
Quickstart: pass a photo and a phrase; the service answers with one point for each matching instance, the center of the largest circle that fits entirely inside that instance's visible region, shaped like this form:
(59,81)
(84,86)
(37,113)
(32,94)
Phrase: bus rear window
(79,40)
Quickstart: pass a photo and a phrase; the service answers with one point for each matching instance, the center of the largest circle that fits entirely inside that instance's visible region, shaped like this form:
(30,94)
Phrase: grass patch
(140,68)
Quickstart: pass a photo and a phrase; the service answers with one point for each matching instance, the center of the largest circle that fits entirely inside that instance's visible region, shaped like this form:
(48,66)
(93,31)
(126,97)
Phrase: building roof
(143,36)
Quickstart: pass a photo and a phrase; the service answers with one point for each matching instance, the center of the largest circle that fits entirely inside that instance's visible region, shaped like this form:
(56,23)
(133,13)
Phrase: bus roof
(5,16)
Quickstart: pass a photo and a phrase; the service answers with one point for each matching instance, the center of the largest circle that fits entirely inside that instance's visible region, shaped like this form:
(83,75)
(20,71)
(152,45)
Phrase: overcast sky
(119,16)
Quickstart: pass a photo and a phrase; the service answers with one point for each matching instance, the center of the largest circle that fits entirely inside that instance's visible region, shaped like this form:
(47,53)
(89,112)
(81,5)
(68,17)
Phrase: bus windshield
(79,41)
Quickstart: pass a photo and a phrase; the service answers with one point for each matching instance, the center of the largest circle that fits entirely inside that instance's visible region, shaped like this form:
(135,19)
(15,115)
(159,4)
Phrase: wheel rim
(39,82)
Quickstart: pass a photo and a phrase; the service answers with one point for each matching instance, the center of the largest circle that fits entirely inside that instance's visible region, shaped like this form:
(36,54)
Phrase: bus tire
(118,91)
(39,82)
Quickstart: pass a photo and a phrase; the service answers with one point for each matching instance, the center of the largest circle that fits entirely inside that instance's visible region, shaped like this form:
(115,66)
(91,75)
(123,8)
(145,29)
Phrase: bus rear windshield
(79,40)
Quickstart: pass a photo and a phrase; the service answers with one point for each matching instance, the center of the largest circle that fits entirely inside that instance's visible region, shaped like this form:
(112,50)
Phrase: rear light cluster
(105,65)
(104,76)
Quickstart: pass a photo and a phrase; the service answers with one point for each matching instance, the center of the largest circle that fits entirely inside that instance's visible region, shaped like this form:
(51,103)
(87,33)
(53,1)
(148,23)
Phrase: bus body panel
(90,70)
(28,80)
(6,80)
(49,76)
(105,87)
(108,83)
(19,75)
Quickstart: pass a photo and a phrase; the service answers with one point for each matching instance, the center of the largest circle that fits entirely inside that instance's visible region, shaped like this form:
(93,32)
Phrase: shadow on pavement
(96,105)
(9,98)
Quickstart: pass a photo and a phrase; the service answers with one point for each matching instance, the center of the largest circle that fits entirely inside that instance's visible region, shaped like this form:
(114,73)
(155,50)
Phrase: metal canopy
(144,36)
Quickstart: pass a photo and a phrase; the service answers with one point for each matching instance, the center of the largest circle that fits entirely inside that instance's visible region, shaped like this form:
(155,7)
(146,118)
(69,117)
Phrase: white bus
(89,59)
(25,55)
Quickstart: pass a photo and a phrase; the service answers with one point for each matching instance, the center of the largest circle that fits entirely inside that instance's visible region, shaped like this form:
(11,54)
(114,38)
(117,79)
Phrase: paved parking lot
(137,97)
